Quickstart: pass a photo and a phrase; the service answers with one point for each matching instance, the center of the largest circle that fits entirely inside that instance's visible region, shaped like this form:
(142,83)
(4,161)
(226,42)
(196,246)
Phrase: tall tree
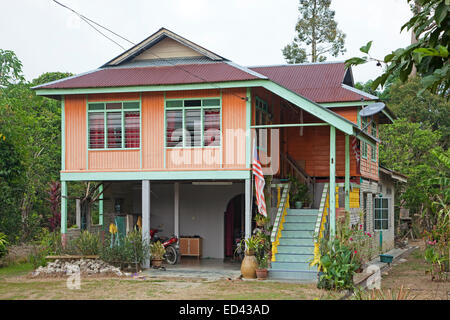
(428,52)
(316,29)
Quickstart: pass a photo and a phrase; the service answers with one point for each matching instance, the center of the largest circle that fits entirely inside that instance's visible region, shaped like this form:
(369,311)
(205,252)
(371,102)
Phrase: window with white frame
(381,213)
(193,122)
(114,125)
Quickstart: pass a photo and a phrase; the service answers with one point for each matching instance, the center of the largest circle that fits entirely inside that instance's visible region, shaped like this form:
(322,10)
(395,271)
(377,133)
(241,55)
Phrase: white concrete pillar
(177,209)
(146,216)
(248,208)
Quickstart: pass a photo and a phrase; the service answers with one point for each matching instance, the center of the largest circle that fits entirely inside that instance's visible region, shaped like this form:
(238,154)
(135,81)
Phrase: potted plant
(261,271)
(298,193)
(157,252)
(261,221)
(249,263)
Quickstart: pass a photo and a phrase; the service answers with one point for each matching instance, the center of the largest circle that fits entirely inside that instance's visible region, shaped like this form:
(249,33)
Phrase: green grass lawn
(16,284)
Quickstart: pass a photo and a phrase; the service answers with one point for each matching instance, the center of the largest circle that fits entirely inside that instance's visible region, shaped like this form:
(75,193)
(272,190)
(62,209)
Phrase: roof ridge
(296,64)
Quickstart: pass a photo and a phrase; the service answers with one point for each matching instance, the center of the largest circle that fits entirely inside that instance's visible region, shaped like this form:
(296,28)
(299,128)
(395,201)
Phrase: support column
(248,213)
(78,212)
(63,212)
(347,173)
(332,182)
(146,216)
(100,206)
(176,201)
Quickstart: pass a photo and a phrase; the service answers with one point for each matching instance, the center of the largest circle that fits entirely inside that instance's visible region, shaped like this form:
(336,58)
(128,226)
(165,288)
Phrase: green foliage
(429,55)
(87,243)
(338,265)
(10,68)
(3,244)
(157,250)
(37,257)
(317,28)
(298,192)
(132,249)
(263,261)
(30,150)
(379,294)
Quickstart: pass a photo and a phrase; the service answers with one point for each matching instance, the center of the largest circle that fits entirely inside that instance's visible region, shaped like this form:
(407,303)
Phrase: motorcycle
(170,244)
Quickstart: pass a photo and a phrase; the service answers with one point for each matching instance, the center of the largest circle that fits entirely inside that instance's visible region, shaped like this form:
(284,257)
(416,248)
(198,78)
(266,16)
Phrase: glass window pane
(96,106)
(113,106)
(192,103)
(193,126)
(211,102)
(114,125)
(132,129)
(385,203)
(385,224)
(131,105)
(385,214)
(174,104)
(174,133)
(96,130)
(377,225)
(211,135)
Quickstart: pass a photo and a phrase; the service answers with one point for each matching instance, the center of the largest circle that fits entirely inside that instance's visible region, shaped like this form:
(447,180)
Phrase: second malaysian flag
(259,182)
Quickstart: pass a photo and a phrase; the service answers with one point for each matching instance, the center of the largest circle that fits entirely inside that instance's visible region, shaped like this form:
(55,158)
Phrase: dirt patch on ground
(411,274)
(24,287)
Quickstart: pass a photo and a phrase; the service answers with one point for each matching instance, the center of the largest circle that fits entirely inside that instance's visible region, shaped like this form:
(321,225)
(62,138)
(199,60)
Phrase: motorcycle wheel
(171,255)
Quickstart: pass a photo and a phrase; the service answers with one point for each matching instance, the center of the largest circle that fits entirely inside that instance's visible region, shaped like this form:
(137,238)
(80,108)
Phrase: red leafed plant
(54,198)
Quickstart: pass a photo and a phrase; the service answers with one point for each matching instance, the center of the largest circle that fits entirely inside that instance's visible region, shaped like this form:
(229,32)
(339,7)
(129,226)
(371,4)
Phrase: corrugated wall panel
(193,94)
(75,120)
(197,158)
(234,123)
(153,130)
(114,159)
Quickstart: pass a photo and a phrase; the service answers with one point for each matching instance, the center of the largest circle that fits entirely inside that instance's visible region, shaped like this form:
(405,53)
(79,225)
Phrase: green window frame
(381,213)
(112,120)
(374,150)
(193,115)
(263,115)
(364,146)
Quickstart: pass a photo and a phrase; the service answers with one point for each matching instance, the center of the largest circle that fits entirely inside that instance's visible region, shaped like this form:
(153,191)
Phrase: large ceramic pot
(249,266)
(157,263)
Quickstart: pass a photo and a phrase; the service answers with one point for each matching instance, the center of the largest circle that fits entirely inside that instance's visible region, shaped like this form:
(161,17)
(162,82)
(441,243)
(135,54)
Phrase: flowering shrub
(359,241)
(437,246)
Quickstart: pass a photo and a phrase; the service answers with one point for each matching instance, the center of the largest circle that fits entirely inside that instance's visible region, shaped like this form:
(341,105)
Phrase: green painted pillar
(100,205)
(63,212)
(347,173)
(332,182)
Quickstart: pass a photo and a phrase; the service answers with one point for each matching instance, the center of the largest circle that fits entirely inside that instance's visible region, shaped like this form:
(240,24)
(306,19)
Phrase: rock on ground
(88,266)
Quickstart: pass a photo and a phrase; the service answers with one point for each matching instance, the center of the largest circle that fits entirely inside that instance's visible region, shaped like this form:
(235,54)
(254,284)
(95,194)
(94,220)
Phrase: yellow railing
(321,223)
(282,205)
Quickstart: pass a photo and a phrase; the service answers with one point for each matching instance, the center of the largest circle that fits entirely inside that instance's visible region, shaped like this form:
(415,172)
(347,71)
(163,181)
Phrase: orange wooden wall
(151,155)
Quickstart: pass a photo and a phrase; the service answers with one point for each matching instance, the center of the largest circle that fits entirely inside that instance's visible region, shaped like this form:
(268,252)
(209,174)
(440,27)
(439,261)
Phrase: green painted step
(297,234)
(295,266)
(309,226)
(301,218)
(289,257)
(302,211)
(296,241)
(307,276)
(296,249)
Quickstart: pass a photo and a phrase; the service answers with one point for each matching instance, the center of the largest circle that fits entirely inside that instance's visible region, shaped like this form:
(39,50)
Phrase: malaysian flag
(259,182)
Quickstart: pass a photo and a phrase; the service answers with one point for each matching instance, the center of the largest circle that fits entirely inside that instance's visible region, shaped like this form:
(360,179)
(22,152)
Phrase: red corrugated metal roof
(180,74)
(319,82)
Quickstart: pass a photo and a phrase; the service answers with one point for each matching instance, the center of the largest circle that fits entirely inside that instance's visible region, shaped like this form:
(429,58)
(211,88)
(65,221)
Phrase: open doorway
(234,223)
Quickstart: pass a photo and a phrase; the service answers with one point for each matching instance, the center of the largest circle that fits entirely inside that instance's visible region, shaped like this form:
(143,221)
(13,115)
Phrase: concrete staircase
(296,247)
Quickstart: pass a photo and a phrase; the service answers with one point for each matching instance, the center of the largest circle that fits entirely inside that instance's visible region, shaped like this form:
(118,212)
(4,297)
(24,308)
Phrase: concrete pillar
(146,216)
(100,206)
(63,212)
(332,182)
(248,208)
(78,212)
(177,209)
(347,173)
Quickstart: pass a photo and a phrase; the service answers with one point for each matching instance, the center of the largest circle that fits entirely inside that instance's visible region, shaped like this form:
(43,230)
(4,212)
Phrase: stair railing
(321,223)
(283,205)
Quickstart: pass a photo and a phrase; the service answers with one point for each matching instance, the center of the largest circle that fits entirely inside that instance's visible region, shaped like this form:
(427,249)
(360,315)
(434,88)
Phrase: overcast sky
(47,37)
